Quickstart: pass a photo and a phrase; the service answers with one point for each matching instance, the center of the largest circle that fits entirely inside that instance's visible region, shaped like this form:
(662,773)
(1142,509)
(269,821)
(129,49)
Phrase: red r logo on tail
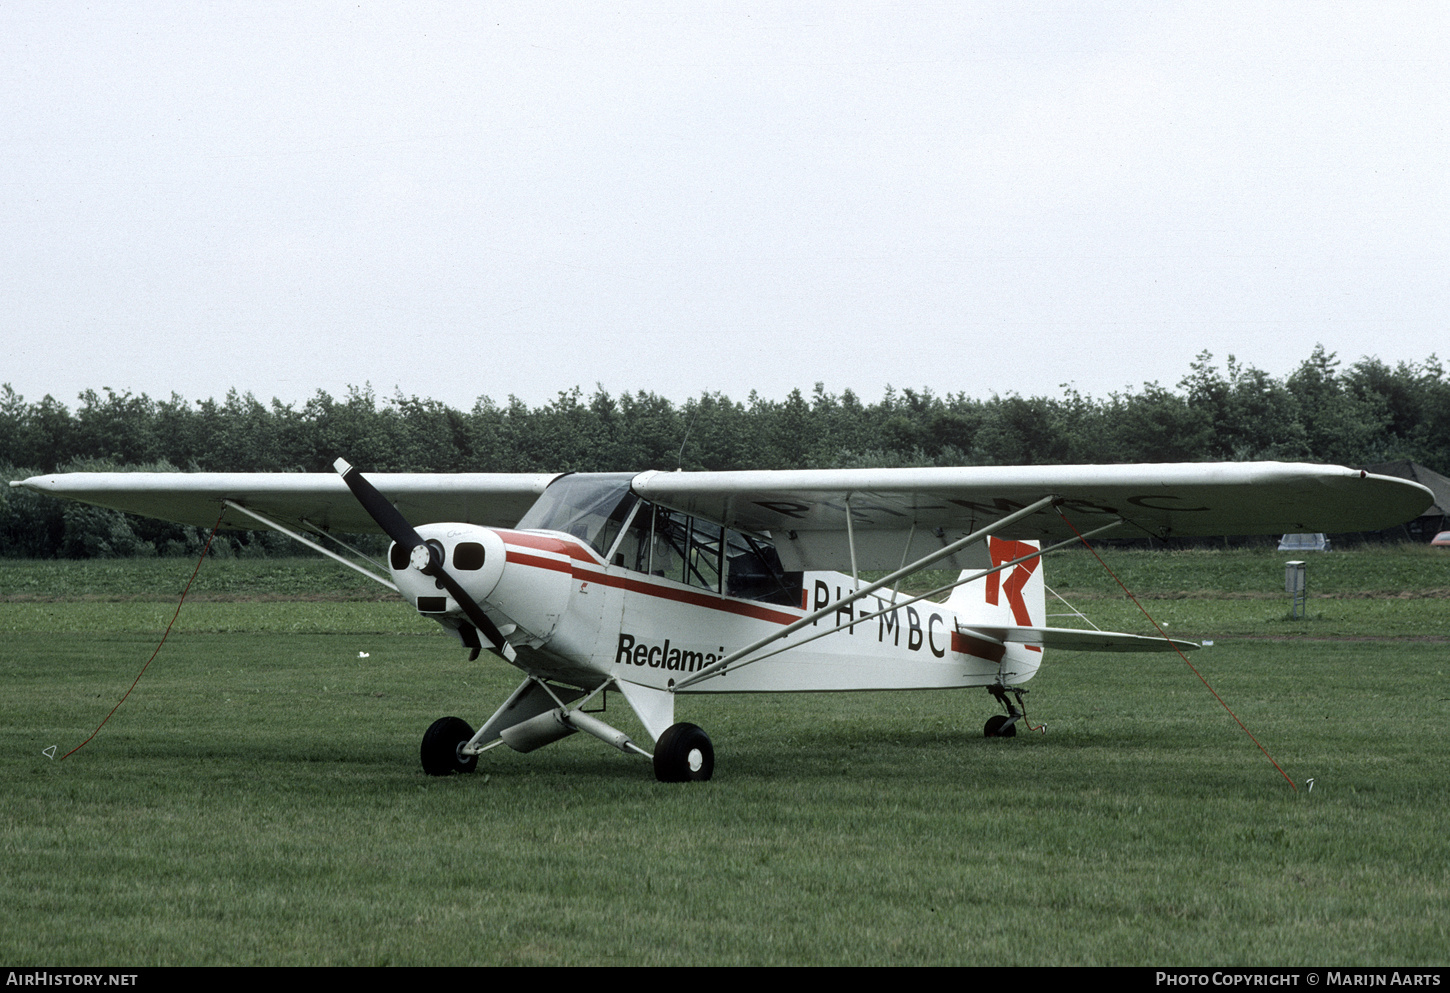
(1005,551)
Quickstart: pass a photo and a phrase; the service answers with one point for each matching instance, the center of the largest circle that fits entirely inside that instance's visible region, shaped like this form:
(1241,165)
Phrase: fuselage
(575,617)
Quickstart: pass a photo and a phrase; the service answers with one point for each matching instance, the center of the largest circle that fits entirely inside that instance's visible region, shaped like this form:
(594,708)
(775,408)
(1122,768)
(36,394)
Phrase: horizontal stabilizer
(1078,640)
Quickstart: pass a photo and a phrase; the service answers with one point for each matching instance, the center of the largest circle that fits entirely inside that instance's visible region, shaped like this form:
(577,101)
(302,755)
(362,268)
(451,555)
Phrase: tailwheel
(1001,726)
(441,742)
(684,754)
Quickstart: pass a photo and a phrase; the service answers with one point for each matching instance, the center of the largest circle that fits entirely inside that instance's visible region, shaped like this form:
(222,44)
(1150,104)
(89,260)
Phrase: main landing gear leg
(1006,727)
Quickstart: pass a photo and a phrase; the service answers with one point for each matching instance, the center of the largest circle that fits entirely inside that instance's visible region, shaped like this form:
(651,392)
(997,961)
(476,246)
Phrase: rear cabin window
(753,571)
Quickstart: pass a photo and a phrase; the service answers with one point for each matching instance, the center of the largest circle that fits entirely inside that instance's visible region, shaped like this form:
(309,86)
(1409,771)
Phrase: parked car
(1441,540)
(1304,543)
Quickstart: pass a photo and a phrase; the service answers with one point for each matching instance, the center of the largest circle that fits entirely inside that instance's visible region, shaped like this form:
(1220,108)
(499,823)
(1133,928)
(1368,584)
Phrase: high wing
(320,499)
(896,515)
(926,508)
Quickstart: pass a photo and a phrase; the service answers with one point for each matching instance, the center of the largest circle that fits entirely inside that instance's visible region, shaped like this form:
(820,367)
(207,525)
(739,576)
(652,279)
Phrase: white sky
(459,199)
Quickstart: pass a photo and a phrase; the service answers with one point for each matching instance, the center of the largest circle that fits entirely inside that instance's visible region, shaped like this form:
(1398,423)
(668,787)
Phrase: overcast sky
(466,199)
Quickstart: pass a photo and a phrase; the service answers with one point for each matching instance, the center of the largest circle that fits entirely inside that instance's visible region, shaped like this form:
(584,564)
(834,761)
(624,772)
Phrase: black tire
(684,755)
(994,728)
(440,747)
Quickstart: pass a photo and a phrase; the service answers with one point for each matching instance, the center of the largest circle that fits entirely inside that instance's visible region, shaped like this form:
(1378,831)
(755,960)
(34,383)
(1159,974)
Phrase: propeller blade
(393,523)
(396,527)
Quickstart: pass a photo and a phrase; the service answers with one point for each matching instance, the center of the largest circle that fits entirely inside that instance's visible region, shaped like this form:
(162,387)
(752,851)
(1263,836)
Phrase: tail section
(1003,618)
(987,610)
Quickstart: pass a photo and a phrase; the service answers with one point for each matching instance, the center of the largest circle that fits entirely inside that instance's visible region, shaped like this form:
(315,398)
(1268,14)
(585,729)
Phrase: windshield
(591,506)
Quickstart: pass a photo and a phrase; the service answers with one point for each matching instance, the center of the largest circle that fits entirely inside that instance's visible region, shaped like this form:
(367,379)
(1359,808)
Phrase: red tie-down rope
(174,616)
(1190,665)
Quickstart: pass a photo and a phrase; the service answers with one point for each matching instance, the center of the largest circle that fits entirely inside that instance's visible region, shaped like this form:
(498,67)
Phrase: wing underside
(319,499)
(1170,499)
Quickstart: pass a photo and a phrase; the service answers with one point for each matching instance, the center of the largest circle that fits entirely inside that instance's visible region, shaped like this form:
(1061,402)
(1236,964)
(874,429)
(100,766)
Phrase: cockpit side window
(675,546)
(685,550)
(704,558)
(668,544)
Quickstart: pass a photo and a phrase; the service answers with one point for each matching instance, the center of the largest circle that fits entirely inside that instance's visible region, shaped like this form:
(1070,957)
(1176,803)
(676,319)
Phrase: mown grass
(258,801)
(163,579)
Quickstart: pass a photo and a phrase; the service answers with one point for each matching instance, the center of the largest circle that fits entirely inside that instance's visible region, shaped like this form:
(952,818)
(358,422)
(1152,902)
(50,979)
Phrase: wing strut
(310,544)
(917,566)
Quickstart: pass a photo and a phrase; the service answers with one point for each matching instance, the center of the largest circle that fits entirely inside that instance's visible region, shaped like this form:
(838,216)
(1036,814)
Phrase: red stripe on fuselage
(965,644)
(515,543)
(539,562)
(695,598)
(981,648)
(549,543)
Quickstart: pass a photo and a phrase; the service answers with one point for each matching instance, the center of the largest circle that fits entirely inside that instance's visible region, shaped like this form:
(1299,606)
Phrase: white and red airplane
(655,584)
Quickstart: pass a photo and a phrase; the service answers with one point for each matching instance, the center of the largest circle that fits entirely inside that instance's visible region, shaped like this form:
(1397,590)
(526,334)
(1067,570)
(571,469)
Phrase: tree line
(1320,412)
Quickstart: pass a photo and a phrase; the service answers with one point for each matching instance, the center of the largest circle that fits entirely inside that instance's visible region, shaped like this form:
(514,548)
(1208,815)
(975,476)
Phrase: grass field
(258,799)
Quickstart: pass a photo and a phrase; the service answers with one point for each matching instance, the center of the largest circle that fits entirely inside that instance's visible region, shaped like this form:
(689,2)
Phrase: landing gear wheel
(440,747)
(684,755)
(995,729)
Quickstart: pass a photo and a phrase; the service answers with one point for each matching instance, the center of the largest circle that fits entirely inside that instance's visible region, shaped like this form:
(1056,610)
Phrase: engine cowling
(525,601)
